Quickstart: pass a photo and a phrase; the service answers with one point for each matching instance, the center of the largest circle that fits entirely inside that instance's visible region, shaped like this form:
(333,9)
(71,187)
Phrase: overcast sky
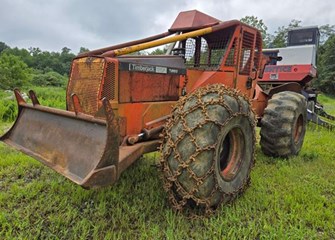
(51,25)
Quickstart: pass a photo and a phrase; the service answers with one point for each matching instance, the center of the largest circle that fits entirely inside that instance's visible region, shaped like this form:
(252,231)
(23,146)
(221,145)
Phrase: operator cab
(303,36)
(302,44)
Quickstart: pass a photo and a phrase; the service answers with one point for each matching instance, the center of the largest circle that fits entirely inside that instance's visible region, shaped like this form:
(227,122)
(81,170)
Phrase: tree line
(22,67)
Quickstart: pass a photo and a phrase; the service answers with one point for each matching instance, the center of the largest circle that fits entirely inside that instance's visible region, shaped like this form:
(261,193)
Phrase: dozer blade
(80,147)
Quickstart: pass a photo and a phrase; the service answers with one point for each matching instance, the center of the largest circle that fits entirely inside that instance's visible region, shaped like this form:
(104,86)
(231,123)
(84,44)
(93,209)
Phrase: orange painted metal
(289,73)
(231,76)
(108,100)
(190,20)
(101,51)
(139,114)
(148,87)
(199,79)
(259,101)
(136,88)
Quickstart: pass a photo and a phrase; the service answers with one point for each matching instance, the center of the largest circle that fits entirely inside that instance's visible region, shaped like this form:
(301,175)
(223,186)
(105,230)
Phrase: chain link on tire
(208,149)
(283,125)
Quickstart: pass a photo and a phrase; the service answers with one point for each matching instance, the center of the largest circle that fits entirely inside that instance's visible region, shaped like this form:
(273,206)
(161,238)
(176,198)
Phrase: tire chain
(171,184)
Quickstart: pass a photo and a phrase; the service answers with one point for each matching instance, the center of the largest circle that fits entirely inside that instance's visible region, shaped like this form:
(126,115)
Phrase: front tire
(208,148)
(283,125)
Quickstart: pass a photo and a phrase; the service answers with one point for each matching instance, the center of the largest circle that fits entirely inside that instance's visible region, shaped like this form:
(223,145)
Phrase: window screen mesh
(206,52)
(246,53)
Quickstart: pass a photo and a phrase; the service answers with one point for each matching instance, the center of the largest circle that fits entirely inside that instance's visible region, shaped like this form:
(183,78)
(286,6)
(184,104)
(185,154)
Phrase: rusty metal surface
(106,49)
(147,87)
(169,61)
(64,144)
(33,98)
(190,20)
(111,152)
(128,154)
(78,146)
(91,80)
(71,144)
(76,103)
(85,81)
(293,87)
(110,81)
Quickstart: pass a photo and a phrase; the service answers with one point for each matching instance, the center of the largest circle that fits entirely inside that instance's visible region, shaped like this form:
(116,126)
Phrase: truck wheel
(283,125)
(208,149)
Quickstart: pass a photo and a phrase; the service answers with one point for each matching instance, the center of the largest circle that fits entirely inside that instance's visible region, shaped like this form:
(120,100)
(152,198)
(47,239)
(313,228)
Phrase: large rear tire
(208,149)
(283,125)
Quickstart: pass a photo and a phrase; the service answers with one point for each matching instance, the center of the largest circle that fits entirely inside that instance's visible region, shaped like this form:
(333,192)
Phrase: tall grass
(52,97)
(288,198)
(328,103)
(8,108)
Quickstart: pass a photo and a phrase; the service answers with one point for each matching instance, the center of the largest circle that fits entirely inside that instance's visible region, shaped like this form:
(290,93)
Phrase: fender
(293,87)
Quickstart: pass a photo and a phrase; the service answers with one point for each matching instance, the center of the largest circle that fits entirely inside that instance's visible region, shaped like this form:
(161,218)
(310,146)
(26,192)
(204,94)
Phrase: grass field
(288,198)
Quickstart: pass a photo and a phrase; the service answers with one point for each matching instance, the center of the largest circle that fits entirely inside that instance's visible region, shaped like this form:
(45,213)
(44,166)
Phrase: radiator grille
(109,86)
(85,82)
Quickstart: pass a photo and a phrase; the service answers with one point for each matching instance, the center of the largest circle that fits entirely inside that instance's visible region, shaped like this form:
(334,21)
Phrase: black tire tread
(189,143)
(277,124)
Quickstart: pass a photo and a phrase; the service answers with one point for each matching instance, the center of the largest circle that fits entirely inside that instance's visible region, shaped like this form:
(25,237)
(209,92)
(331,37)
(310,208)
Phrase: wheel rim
(298,128)
(231,154)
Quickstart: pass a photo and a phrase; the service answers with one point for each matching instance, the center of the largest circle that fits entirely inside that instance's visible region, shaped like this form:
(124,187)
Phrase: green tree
(49,79)
(23,54)
(83,50)
(3,46)
(326,31)
(66,58)
(280,37)
(260,25)
(158,51)
(326,67)
(13,72)
(51,61)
